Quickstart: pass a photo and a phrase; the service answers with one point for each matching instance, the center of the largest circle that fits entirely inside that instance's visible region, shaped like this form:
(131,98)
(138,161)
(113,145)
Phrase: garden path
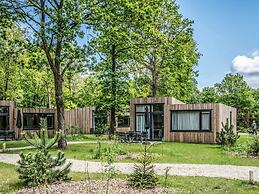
(206,170)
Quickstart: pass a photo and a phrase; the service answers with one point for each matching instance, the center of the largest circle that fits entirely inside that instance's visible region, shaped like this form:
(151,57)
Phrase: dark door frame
(151,117)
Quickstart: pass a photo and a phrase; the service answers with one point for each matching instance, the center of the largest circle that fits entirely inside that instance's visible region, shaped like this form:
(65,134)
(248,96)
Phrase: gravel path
(207,170)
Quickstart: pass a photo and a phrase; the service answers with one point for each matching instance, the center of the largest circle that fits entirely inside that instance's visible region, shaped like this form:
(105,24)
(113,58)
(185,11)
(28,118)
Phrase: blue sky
(227,33)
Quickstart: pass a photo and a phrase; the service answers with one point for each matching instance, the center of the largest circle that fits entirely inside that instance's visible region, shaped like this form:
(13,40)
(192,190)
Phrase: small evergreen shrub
(41,167)
(144,175)
(253,148)
(227,137)
(109,157)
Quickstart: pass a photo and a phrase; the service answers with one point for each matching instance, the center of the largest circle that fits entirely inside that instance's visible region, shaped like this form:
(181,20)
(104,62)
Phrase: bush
(40,167)
(144,175)
(98,151)
(227,137)
(253,148)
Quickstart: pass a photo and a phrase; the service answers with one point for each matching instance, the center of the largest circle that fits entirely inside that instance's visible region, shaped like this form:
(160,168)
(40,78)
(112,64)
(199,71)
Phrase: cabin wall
(225,113)
(79,120)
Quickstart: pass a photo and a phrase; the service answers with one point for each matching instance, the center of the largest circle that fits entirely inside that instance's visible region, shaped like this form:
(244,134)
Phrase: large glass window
(123,121)
(191,120)
(31,121)
(4,118)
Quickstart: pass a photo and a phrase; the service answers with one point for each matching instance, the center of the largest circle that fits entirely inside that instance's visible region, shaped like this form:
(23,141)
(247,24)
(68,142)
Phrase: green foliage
(208,95)
(98,151)
(234,91)
(144,175)
(227,137)
(108,157)
(253,148)
(41,167)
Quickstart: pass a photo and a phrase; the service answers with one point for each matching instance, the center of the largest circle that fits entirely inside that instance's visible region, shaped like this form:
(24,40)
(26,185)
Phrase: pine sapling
(41,167)
(144,175)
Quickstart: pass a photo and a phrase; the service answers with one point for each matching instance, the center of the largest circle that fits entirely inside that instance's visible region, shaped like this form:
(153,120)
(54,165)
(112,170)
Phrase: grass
(14,144)
(168,152)
(78,137)
(9,182)
(86,137)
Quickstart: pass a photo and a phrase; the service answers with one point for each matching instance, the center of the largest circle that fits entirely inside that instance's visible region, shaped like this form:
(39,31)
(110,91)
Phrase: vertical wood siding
(79,119)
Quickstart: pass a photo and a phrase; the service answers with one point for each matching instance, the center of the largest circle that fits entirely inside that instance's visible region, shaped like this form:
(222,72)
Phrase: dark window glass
(4,109)
(4,118)
(31,121)
(124,121)
(205,120)
(158,108)
(100,120)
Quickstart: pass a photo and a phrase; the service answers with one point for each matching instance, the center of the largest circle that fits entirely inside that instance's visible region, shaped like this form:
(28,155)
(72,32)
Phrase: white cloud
(248,66)
(255,53)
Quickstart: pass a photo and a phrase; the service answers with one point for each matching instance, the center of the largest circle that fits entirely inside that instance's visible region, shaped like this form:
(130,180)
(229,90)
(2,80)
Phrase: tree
(208,95)
(56,25)
(172,55)
(12,49)
(234,91)
(118,26)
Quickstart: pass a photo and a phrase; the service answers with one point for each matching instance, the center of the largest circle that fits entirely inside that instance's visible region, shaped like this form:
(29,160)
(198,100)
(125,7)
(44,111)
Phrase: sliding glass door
(156,117)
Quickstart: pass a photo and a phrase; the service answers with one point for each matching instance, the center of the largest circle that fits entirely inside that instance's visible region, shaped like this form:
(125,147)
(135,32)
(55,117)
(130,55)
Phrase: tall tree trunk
(62,143)
(154,82)
(49,97)
(113,91)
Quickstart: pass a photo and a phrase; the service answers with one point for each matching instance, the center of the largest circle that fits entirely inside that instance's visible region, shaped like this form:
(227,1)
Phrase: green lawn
(14,144)
(168,152)
(9,182)
(23,143)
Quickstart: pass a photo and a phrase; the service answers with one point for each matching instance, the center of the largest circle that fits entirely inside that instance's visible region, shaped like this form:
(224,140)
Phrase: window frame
(200,120)
(124,125)
(147,104)
(49,128)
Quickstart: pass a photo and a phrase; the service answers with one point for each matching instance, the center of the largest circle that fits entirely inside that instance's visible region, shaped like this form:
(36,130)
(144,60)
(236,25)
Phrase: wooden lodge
(169,119)
(172,120)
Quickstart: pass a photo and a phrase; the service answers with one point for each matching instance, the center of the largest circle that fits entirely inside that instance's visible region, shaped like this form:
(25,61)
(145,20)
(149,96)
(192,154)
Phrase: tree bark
(49,96)
(62,143)
(154,84)
(154,75)
(113,91)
